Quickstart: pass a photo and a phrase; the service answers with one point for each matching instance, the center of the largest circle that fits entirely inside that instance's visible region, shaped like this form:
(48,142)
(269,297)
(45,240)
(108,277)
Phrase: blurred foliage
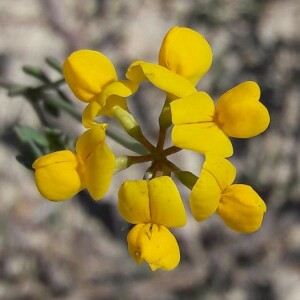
(47,99)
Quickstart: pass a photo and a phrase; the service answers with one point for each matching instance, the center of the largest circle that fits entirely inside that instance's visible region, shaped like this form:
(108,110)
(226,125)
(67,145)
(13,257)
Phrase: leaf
(36,73)
(28,134)
(54,64)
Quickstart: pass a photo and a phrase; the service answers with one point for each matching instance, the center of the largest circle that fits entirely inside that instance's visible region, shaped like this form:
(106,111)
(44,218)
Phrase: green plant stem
(161,139)
(51,85)
(171,166)
(164,123)
(171,150)
(125,142)
(139,159)
(127,121)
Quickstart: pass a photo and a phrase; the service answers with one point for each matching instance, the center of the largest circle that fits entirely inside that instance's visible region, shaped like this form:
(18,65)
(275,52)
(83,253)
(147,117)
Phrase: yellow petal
(112,95)
(248,89)
(241,208)
(166,206)
(89,140)
(99,169)
(155,244)
(112,102)
(161,77)
(90,113)
(58,175)
(87,72)
(122,88)
(202,137)
(205,196)
(94,109)
(185,52)
(133,201)
(239,112)
(221,169)
(133,239)
(196,108)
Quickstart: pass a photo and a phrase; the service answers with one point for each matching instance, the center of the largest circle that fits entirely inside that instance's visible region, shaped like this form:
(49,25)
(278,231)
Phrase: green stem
(171,150)
(139,159)
(131,126)
(50,85)
(164,123)
(161,139)
(187,178)
(171,166)
(125,142)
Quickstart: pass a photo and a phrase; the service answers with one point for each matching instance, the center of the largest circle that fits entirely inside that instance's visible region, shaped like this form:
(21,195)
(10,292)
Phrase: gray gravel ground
(76,250)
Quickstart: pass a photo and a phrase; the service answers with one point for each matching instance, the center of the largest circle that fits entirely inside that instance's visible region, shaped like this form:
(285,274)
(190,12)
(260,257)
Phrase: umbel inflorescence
(197,123)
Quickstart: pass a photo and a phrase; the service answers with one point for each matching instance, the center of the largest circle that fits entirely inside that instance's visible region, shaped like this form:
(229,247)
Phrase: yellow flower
(201,126)
(58,175)
(239,206)
(155,244)
(186,53)
(153,205)
(62,174)
(87,72)
(93,79)
(184,57)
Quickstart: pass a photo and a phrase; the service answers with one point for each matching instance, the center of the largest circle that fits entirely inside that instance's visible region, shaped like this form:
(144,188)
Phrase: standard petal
(166,206)
(196,108)
(241,208)
(203,137)
(221,169)
(205,196)
(239,112)
(133,201)
(58,175)
(155,244)
(99,169)
(87,72)
(185,52)
(161,77)
(89,140)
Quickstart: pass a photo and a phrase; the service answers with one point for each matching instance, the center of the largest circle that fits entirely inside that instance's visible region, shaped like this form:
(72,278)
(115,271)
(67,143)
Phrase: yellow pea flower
(184,57)
(153,205)
(87,72)
(58,175)
(93,79)
(62,174)
(239,206)
(155,244)
(202,126)
(186,52)
(240,114)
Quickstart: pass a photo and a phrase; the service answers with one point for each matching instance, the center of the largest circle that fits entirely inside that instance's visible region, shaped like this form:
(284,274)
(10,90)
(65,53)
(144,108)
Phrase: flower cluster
(197,123)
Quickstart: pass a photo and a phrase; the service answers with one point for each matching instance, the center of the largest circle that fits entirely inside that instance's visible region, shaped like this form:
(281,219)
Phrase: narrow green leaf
(54,63)
(27,134)
(36,73)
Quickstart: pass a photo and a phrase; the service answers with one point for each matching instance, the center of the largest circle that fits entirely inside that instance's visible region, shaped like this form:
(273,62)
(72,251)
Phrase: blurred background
(77,250)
